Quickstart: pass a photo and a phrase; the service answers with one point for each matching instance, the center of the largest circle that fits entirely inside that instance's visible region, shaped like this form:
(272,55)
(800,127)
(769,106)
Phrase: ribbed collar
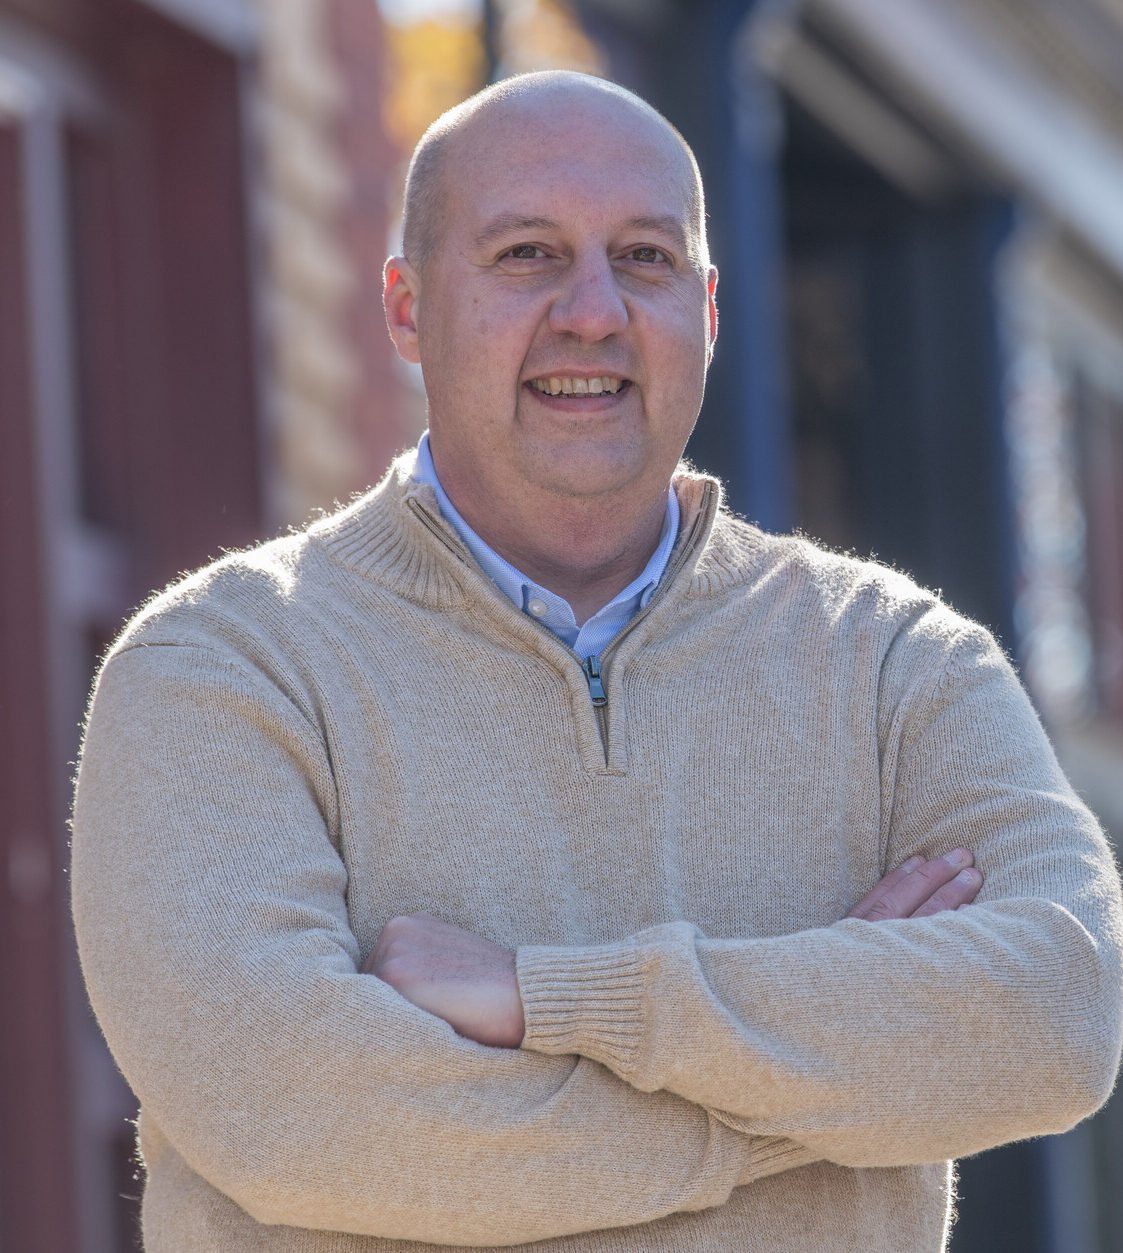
(386,535)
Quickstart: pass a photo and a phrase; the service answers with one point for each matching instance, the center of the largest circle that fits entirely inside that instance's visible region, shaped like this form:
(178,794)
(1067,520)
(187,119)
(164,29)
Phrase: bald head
(545,100)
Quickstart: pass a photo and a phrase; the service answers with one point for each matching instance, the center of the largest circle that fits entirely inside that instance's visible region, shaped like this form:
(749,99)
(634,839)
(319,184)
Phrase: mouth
(573,385)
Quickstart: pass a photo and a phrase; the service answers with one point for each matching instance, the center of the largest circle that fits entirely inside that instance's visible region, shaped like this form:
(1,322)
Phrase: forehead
(568,161)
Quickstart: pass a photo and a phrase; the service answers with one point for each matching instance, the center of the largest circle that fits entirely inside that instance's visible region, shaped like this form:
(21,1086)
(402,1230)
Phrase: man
(479,866)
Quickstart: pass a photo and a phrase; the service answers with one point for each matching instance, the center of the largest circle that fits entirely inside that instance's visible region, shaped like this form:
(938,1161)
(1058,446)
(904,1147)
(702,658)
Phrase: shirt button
(536,607)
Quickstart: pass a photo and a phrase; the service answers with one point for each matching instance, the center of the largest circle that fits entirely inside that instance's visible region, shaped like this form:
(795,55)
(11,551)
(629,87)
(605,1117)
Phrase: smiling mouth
(561,385)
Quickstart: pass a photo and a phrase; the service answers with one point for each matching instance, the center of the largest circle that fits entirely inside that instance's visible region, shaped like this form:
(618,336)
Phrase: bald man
(532,852)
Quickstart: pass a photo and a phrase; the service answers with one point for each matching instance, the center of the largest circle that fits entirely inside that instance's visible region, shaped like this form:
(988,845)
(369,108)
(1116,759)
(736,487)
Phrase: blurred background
(917,209)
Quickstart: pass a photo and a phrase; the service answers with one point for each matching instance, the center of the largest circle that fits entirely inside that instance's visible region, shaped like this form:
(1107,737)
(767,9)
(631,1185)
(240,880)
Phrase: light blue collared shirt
(539,602)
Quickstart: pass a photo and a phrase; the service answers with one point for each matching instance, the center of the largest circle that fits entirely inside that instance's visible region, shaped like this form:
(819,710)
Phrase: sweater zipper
(592,666)
(599,697)
(592,677)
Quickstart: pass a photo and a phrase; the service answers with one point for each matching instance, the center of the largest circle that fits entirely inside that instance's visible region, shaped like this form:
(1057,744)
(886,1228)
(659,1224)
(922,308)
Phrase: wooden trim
(36,1176)
(229,24)
(999,106)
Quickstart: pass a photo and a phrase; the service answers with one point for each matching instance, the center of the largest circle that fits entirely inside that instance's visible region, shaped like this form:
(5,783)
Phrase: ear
(401,288)
(711,293)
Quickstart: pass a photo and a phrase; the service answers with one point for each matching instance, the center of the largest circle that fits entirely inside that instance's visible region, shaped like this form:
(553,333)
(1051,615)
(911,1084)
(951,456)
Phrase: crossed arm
(471,983)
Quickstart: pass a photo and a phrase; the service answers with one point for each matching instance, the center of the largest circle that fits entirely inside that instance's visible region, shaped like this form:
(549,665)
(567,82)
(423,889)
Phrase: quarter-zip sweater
(302,741)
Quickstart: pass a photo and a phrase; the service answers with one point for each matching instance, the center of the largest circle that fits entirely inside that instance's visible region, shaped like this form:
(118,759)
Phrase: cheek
(479,317)
(678,358)
(681,350)
(678,320)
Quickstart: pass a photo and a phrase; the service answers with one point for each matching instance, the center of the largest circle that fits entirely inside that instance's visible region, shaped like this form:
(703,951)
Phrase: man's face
(562,320)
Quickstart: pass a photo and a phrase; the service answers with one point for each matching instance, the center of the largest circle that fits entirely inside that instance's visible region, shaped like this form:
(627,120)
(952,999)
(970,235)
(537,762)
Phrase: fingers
(891,880)
(459,976)
(919,888)
(961,890)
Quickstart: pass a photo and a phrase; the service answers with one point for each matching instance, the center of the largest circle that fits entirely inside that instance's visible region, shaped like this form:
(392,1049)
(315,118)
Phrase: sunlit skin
(566,250)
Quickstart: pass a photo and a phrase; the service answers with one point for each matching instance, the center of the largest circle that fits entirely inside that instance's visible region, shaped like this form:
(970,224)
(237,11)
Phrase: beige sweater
(301,741)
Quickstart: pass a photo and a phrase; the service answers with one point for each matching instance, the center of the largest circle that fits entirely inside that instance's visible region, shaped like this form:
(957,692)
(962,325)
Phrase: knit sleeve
(890,1043)
(210,903)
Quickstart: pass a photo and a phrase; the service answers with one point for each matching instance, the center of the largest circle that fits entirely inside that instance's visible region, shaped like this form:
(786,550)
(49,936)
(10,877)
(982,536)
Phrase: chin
(589,477)
(590,469)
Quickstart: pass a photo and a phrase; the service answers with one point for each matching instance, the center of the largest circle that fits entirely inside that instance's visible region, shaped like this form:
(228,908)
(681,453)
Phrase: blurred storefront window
(440,51)
(1064,324)
(436,54)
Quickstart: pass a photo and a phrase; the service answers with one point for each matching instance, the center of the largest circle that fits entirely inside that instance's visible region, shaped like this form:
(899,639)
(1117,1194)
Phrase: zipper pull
(592,677)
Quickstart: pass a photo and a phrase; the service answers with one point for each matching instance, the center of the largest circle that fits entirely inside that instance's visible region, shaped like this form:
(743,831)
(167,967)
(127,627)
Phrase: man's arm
(472,984)
(211,910)
(1008,1012)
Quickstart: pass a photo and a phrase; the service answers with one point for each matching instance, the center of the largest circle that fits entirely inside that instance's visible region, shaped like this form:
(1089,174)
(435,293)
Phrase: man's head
(557,292)
(422,220)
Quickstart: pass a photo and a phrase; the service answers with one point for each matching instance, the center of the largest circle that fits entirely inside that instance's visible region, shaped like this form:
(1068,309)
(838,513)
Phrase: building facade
(194,206)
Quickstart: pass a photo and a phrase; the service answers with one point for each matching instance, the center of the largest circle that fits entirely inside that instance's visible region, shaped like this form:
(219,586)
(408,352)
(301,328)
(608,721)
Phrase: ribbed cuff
(769,1155)
(583,1000)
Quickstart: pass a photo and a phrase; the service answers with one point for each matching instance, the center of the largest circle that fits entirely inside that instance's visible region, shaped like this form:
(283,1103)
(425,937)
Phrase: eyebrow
(513,223)
(661,224)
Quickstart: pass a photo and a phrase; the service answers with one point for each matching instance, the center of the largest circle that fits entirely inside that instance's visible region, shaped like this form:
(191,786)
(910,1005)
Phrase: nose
(589,303)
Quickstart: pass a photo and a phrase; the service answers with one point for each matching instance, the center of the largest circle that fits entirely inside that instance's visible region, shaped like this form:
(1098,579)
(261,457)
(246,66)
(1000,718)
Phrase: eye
(647,254)
(524,252)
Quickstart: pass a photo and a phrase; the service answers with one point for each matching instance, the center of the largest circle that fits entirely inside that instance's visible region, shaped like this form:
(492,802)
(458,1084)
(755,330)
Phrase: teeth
(558,386)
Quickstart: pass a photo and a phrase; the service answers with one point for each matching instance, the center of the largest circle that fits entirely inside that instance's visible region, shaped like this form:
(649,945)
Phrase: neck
(585,551)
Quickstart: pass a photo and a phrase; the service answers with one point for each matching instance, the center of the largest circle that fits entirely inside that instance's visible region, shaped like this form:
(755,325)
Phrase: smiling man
(561,304)
(532,851)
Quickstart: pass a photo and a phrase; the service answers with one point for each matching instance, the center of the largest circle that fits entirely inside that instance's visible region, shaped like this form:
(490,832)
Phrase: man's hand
(918,888)
(470,982)
(457,975)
